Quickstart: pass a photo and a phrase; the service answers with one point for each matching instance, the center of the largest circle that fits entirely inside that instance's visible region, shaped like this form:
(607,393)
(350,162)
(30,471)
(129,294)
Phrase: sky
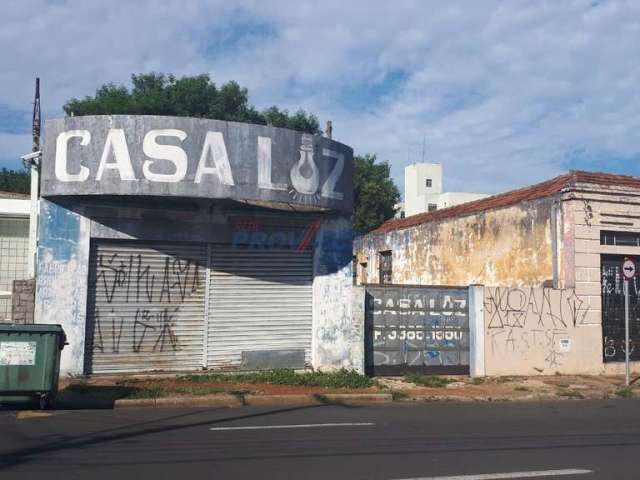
(502,93)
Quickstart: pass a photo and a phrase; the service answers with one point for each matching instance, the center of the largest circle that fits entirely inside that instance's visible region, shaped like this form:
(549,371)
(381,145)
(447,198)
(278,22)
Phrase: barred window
(386,270)
(623,239)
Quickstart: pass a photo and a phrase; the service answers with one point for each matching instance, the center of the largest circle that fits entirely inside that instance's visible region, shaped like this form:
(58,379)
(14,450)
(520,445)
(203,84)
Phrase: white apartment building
(423,190)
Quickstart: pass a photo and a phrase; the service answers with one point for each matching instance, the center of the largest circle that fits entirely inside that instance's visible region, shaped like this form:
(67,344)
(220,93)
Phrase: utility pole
(629,270)
(33,160)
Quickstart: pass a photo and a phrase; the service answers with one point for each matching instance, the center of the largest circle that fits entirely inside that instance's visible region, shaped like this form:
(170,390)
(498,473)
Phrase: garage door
(260,305)
(146,307)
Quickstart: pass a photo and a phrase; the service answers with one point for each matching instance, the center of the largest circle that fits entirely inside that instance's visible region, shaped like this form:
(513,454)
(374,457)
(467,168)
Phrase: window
(432,207)
(623,239)
(385,268)
(429,183)
(363,273)
(354,270)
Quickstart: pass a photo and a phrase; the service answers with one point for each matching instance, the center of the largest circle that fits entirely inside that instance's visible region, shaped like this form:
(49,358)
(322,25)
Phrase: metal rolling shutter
(259,300)
(146,307)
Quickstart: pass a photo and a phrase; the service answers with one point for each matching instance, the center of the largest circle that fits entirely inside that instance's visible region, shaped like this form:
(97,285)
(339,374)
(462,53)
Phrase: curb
(168,402)
(253,400)
(348,398)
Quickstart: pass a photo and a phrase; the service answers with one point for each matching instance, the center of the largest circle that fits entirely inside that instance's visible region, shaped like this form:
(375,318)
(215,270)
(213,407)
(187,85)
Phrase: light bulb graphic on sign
(304,174)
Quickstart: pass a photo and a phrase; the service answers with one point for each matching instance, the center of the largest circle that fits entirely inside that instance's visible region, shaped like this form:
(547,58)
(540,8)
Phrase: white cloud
(13,146)
(501,91)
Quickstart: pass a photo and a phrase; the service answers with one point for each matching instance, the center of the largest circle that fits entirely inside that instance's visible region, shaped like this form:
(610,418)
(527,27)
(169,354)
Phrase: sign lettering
(129,155)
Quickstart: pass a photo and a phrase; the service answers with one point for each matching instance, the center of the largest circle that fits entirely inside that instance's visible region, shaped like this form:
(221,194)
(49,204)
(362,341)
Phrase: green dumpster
(30,363)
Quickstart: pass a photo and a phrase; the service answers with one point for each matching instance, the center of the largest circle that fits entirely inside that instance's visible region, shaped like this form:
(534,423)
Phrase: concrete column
(476,331)
(61,281)
(357,328)
(33,221)
(337,342)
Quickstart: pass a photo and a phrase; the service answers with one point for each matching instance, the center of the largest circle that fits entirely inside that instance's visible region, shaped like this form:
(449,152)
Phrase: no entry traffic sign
(628,268)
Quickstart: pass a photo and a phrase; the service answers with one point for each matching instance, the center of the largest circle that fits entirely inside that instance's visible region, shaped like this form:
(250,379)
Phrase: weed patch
(428,380)
(339,379)
(399,395)
(624,392)
(505,379)
(568,393)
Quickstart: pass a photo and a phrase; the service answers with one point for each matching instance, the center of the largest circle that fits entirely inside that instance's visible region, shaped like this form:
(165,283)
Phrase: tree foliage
(15,181)
(375,194)
(189,96)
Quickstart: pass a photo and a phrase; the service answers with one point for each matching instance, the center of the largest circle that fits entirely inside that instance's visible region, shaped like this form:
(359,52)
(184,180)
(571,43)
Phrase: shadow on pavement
(27,454)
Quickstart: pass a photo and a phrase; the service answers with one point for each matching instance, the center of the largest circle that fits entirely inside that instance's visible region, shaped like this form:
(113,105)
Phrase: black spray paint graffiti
(530,321)
(157,290)
(129,276)
(154,326)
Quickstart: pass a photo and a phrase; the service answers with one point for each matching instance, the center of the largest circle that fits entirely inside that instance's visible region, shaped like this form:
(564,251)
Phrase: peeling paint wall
(507,247)
(538,331)
(61,278)
(338,335)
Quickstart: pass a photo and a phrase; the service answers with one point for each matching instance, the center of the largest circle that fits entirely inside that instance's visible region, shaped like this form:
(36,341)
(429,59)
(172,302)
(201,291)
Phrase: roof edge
(548,188)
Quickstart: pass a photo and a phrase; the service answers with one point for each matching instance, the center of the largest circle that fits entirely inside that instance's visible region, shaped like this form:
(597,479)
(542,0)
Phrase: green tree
(190,96)
(375,194)
(15,181)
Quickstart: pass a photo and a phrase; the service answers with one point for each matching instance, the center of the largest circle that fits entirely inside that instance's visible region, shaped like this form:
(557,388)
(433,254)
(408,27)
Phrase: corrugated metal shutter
(259,300)
(146,307)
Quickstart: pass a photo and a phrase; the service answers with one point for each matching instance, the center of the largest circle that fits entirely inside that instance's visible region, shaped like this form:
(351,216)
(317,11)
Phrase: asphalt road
(396,441)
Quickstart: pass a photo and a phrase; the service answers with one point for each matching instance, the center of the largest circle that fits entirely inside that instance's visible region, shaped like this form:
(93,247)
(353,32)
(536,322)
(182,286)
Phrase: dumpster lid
(30,328)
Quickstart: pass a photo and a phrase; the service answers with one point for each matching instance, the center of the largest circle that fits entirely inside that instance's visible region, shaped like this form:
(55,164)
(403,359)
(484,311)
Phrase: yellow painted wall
(505,247)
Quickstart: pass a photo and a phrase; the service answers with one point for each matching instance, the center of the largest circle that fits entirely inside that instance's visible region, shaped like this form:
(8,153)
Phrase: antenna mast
(36,123)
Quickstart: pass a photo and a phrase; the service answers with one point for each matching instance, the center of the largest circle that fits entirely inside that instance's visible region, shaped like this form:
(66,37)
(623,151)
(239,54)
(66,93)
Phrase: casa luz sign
(189,157)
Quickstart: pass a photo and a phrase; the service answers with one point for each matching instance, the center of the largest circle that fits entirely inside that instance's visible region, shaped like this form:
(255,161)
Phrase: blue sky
(504,94)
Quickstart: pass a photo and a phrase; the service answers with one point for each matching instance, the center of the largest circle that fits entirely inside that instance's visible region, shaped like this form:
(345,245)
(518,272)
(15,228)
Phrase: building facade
(14,246)
(548,259)
(181,244)
(424,190)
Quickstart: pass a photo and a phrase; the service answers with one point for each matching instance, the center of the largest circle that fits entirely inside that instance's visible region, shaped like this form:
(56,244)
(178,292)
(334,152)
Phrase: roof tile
(532,192)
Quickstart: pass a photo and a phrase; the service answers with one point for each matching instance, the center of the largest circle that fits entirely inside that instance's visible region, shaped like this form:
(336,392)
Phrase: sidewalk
(279,388)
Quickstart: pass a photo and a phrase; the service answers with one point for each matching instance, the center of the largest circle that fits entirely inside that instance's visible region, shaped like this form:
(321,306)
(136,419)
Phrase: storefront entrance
(186,306)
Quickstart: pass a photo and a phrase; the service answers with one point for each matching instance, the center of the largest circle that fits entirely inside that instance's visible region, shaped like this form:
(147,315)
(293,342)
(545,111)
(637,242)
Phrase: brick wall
(23,301)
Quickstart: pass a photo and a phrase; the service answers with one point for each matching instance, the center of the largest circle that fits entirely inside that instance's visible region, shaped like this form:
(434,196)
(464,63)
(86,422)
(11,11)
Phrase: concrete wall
(507,247)
(61,278)
(15,207)
(338,335)
(539,331)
